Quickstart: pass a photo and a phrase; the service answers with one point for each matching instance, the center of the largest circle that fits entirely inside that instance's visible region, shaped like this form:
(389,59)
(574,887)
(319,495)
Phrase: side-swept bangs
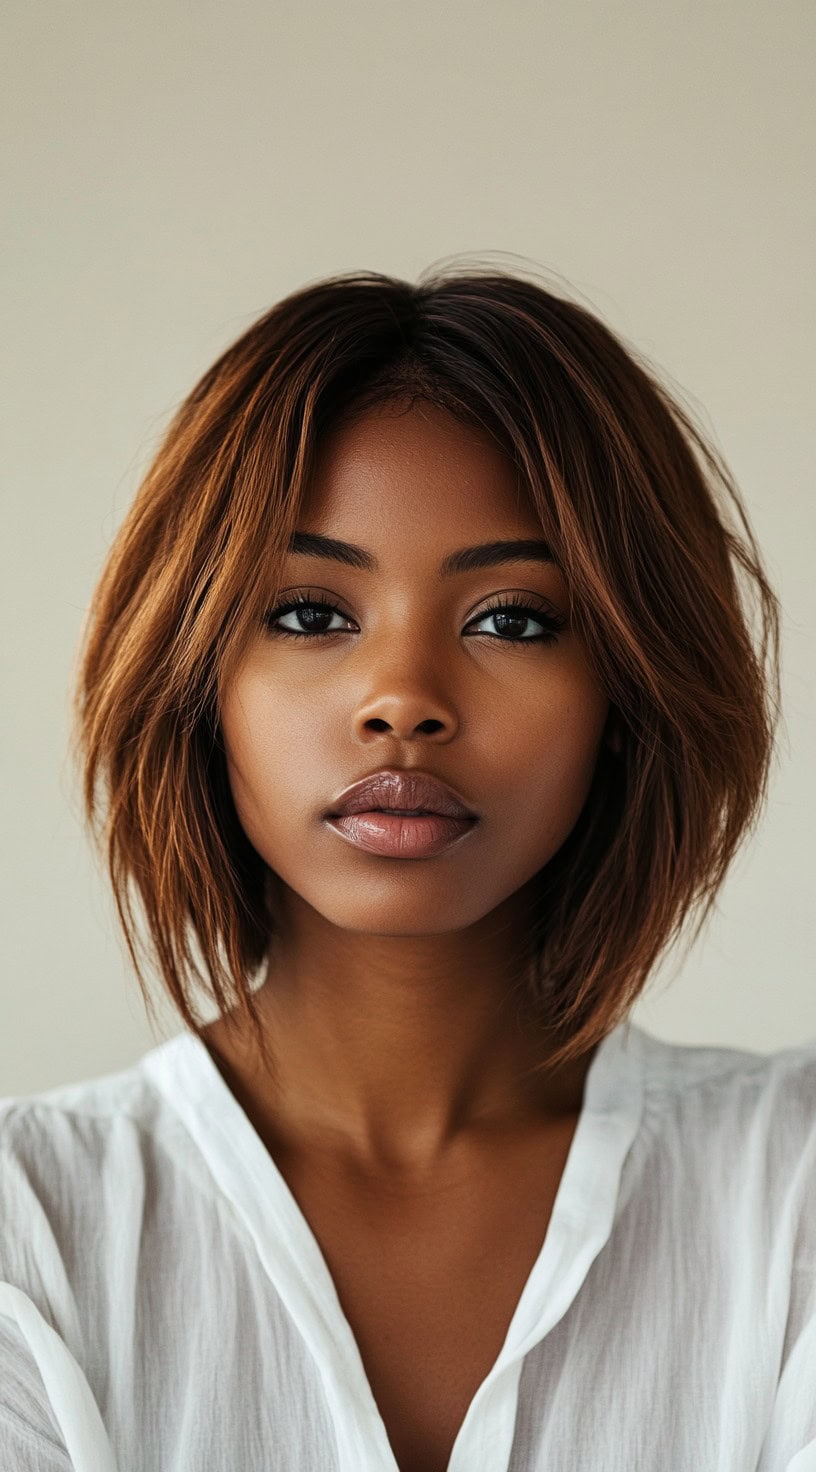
(667,590)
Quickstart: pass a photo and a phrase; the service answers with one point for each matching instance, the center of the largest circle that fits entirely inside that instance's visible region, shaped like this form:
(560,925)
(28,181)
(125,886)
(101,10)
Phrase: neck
(390,1048)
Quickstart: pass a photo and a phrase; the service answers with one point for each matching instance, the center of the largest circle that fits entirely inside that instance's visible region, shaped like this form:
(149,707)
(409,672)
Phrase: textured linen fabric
(165,1307)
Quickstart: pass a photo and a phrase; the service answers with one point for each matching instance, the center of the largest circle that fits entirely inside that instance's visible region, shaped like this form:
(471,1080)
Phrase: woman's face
(414,669)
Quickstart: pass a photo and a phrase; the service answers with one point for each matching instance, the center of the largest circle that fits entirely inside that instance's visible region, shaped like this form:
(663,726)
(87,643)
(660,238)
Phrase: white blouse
(165,1306)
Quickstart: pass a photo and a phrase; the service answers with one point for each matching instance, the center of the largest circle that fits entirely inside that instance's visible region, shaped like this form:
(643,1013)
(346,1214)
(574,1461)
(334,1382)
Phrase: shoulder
(112,1126)
(733,1095)
(100,1163)
(100,1185)
(80,1166)
(74,1130)
(736,1126)
(724,1192)
(735,1091)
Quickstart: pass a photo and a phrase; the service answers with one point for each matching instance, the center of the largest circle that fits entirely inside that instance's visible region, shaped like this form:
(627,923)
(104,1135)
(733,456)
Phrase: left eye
(315,615)
(509,617)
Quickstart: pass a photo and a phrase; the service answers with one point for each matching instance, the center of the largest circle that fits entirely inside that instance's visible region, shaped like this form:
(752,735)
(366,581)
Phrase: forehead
(418,473)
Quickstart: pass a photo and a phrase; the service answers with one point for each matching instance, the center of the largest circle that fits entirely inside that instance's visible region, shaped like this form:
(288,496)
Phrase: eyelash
(553,624)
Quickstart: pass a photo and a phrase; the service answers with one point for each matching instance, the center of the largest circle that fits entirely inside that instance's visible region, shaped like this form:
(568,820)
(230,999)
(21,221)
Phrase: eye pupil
(312,616)
(509,623)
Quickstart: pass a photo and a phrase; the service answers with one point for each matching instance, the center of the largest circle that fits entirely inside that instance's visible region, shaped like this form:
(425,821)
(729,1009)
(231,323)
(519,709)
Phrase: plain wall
(173,170)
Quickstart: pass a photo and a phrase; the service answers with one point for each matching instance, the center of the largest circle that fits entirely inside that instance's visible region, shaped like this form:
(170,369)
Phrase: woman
(420,702)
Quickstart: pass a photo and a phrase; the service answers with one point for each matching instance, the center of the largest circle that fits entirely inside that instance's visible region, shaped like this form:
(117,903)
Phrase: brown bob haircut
(663,574)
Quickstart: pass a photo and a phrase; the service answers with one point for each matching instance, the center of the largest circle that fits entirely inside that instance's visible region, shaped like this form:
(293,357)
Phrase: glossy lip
(395,787)
(361,814)
(394,837)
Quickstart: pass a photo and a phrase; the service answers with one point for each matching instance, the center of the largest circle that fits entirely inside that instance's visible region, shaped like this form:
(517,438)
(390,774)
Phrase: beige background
(176,168)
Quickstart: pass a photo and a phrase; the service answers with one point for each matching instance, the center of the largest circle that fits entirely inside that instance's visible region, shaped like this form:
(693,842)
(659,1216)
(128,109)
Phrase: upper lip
(393,787)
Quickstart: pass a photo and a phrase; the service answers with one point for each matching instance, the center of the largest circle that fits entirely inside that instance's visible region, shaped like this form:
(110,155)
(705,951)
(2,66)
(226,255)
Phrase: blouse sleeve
(790,1444)
(49,1420)
(29,1438)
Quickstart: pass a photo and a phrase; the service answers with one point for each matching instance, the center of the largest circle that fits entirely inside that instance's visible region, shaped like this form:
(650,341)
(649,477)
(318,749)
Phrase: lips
(390,788)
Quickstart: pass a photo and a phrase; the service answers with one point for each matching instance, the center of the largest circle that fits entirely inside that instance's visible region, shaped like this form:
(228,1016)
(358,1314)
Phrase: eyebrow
(467,559)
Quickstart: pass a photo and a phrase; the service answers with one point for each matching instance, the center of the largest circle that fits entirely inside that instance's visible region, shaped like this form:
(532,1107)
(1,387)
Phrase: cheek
(256,758)
(278,756)
(549,756)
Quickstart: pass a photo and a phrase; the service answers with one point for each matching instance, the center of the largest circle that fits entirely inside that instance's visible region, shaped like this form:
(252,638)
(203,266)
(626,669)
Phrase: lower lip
(401,838)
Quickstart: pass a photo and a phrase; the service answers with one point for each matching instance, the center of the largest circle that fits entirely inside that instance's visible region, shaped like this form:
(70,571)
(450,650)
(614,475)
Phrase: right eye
(313,614)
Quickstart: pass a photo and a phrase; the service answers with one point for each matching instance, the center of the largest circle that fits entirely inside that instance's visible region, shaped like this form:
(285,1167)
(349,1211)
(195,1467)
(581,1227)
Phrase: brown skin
(404,1106)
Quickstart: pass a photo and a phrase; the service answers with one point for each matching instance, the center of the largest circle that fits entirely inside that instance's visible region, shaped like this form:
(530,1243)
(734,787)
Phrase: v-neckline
(580,1224)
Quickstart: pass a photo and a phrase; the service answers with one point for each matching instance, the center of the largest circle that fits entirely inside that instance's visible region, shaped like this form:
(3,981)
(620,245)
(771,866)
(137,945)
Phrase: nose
(406,711)
(402,725)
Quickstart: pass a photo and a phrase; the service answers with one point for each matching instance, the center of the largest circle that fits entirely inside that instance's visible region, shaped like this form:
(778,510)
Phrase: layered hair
(666,586)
